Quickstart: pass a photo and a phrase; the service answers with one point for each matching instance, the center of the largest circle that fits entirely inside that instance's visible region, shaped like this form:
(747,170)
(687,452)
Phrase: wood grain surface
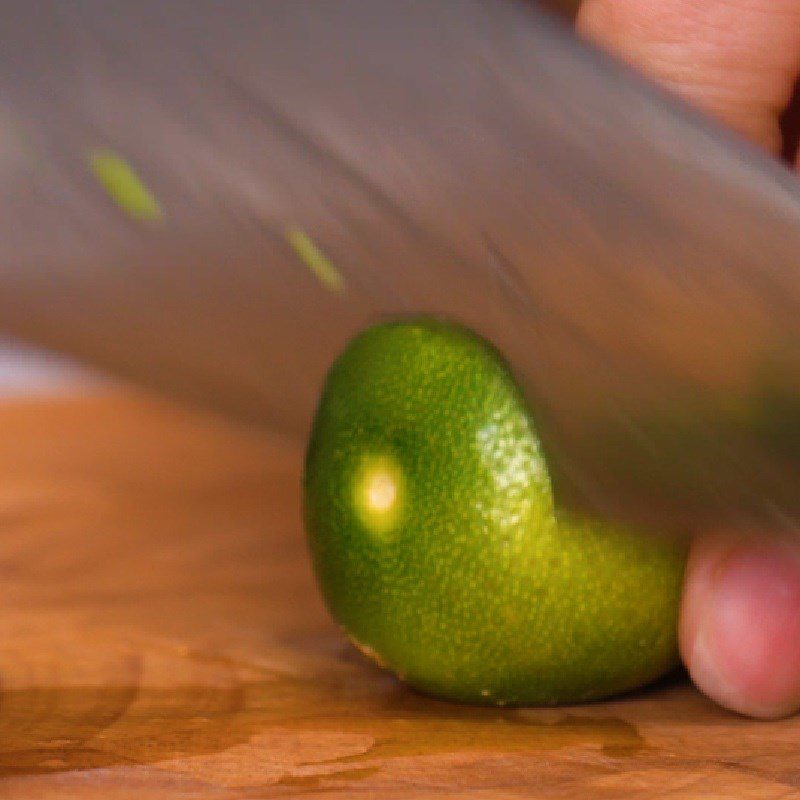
(161,636)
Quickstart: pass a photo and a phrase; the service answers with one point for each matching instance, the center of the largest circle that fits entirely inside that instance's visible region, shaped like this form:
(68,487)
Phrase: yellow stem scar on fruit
(377,494)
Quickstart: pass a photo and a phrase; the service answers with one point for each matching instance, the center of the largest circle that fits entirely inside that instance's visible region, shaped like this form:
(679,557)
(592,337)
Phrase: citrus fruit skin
(431,523)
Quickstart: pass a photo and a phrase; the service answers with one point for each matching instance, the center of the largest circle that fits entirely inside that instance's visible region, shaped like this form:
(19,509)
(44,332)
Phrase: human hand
(740,61)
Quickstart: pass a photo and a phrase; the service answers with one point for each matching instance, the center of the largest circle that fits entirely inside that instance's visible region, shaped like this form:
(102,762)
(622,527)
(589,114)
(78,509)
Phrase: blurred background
(29,371)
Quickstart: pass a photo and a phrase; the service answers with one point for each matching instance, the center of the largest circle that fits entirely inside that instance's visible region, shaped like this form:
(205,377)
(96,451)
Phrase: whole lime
(437,546)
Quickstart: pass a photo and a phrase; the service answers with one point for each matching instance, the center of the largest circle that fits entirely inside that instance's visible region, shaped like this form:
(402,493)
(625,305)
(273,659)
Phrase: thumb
(737,59)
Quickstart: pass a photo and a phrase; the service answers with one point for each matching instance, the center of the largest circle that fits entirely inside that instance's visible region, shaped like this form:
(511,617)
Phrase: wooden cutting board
(161,636)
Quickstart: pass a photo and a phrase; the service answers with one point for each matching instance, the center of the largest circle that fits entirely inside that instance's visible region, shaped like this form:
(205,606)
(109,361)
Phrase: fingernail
(746,651)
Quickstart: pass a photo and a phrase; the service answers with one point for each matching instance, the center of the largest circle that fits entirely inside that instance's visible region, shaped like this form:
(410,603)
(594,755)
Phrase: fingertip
(740,623)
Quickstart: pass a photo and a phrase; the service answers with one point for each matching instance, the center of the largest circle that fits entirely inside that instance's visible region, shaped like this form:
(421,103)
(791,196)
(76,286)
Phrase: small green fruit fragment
(124,186)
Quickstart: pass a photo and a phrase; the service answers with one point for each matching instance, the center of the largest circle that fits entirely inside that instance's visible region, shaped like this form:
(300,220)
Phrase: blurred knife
(211,197)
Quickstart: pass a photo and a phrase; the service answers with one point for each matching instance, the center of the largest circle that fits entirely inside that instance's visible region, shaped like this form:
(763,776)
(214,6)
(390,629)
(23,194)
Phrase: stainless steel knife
(210,198)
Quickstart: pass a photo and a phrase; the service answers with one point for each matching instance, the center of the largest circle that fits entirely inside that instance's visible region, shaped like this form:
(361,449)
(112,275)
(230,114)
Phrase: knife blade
(211,198)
